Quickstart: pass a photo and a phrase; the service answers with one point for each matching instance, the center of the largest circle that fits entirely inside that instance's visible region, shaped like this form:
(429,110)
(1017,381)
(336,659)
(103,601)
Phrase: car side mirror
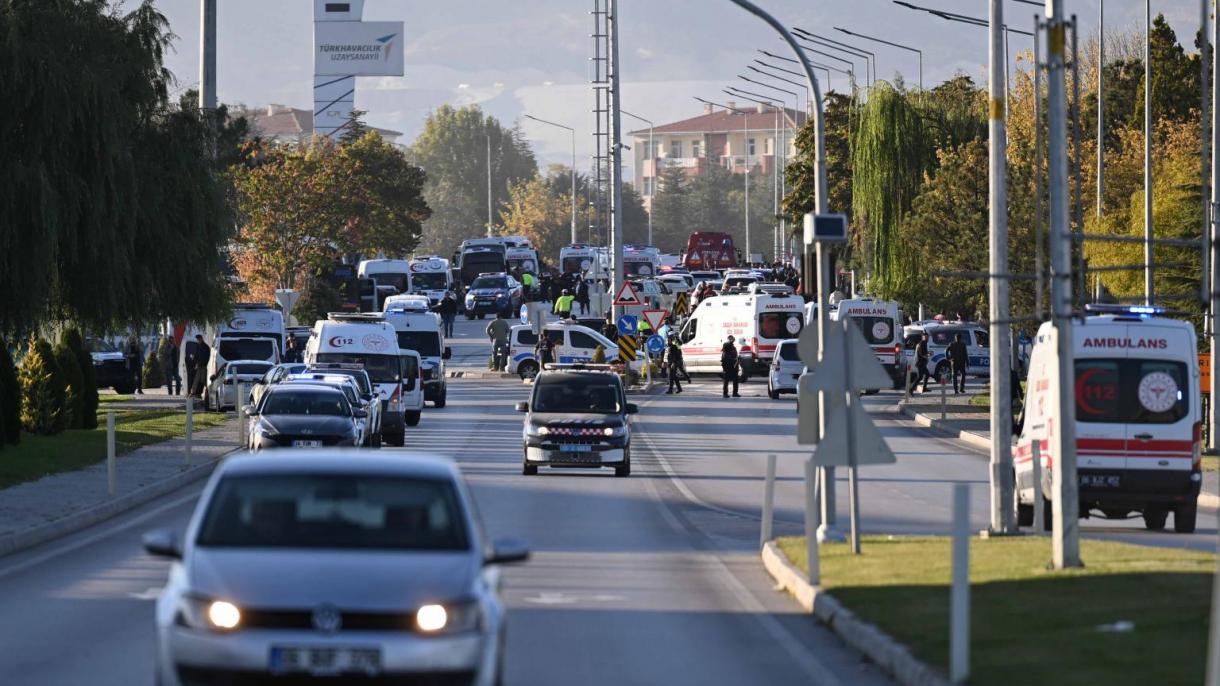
(523,406)
(506,551)
(247,410)
(448,353)
(163,543)
(359,413)
(632,408)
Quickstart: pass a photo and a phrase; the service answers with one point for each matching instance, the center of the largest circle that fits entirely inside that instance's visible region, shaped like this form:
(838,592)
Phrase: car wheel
(527,369)
(398,440)
(1155,516)
(412,418)
(1184,516)
(625,468)
(529,469)
(440,399)
(1025,513)
(772,393)
(469,315)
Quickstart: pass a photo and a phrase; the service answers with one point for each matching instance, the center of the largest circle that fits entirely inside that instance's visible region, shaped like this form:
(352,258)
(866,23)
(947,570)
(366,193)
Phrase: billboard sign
(358,48)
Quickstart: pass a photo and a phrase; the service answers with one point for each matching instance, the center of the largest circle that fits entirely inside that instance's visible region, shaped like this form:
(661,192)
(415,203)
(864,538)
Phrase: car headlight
(450,618)
(614,431)
(213,615)
(537,430)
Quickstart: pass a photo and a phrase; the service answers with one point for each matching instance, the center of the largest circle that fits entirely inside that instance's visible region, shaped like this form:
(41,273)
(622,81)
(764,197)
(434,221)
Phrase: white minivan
(1138,419)
(368,340)
(419,329)
(881,323)
(412,402)
(252,332)
(786,369)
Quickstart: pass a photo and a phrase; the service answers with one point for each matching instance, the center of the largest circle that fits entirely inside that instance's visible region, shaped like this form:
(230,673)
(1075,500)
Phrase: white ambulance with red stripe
(1138,419)
(756,321)
(881,323)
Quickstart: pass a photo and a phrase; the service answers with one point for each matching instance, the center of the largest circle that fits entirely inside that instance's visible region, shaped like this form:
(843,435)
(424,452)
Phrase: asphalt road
(647,580)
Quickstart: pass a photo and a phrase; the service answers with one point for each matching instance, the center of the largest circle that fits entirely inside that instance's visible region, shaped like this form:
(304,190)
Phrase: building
(283,125)
(736,138)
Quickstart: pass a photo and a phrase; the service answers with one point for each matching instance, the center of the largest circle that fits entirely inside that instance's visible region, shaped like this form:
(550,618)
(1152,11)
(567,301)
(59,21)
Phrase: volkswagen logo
(327,619)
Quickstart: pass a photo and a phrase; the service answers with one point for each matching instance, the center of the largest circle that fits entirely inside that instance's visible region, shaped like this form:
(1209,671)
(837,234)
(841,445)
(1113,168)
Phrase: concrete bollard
(190,427)
(112,474)
(812,520)
(238,404)
(768,512)
(943,401)
(959,599)
(1036,445)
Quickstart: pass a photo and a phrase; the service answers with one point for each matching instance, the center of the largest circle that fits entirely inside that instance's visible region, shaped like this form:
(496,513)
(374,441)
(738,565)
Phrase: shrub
(86,395)
(73,379)
(599,355)
(153,376)
(42,390)
(10,397)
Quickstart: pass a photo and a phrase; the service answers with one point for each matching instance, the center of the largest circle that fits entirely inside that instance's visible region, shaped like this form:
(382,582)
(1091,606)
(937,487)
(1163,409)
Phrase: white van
(420,330)
(368,340)
(881,323)
(252,332)
(391,277)
(976,337)
(573,343)
(757,322)
(429,276)
(412,399)
(521,257)
(641,261)
(1138,419)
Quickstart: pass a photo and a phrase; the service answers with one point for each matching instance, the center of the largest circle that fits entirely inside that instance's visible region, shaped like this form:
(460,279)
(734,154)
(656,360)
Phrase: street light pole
(207,55)
(1214,232)
(886,42)
(573,174)
(1149,294)
(616,156)
(774,159)
(652,158)
(1101,105)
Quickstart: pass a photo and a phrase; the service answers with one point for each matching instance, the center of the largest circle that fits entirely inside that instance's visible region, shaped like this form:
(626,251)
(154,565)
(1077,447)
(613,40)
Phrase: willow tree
(891,151)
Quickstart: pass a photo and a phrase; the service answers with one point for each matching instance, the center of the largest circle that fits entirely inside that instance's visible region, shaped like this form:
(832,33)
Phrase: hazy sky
(514,57)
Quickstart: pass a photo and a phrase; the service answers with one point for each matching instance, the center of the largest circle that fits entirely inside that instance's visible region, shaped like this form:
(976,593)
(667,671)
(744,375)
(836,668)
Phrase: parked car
(303,416)
(222,389)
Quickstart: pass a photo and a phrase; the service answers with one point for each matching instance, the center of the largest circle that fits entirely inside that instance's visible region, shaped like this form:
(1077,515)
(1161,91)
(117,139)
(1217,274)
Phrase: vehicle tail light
(898,350)
(1196,442)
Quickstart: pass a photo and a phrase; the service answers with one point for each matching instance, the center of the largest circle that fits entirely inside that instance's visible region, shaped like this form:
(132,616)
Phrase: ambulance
(1138,418)
(524,258)
(641,261)
(371,341)
(419,329)
(881,323)
(756,321)
(253,331)
(429,276)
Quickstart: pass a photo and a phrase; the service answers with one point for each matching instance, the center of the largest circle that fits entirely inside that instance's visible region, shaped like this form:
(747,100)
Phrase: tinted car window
(98,345)
(334,511)
(283,401)
(410,371)
(983,338)
(248,368)
(774,325)
(576,393)
(527,337)
(426,343)
(489,282)
(244,349)
(788,352)
(580,339)
(876,330)
(1131,391)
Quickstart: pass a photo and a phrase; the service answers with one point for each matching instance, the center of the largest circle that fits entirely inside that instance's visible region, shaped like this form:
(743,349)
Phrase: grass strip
(1030,625)
(39,456)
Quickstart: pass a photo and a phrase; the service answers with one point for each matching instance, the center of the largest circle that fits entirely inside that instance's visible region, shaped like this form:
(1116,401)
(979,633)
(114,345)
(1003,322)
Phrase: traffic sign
(682,304)
(626,348)
(655,318)
(627,296)
(525,313)
(628,325)
(866,443)
(847,363)
(655,344)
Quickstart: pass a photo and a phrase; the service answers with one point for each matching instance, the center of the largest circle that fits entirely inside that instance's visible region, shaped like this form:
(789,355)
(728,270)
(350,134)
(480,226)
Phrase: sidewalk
(38,511)
(972,425)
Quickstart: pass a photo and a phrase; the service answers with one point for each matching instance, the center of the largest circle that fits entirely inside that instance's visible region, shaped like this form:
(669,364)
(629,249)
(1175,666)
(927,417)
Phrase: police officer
(447,308)
(203,353)
(563,304)
(728,366)
(958,358)
(498,331)
(673,362)
(921,364)
(133,355)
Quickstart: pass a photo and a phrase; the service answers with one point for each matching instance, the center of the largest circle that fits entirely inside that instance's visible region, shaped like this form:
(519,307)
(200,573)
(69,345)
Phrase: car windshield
(298,402)
(575,265)
(489,282)
(248,369)
(334,511)
(98,345)
(1131,391)
(381,368)
(398,281)
(430,281)
(246,349)
(576,393)
(426,343)
(637,268)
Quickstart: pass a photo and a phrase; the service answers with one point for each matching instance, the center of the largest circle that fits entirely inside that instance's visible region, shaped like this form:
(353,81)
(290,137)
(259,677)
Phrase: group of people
(198,354)
(958,357)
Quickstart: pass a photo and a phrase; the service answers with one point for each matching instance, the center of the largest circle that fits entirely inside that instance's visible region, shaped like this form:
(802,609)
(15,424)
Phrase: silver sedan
(330,563)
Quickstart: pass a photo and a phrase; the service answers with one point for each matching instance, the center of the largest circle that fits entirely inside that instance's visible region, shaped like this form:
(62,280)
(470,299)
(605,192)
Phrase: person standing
(728,366)
(169,366)
(203,354)
(498,331)
(447,309)
(545,351)
(673,364)
(921,364)
(563,304)
(610,330)
(133,356)
(582,296)
(958,358)
(292,353)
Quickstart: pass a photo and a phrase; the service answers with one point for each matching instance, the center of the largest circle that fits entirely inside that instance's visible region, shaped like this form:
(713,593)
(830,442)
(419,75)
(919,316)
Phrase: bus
(709,250)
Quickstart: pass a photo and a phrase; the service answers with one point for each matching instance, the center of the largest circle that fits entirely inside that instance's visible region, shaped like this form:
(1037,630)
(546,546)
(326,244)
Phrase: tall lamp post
(652,159)
(917,51)
(775,158)
(870,58)
(573,174)
(745,143)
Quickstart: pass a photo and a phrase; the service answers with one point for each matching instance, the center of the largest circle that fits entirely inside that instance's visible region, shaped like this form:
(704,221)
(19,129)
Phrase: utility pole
(207,56)
(616,158)
(1039,283)
(1214,233)
(489,185)
(1101,106)
(997,281)
(1065,546)
(1149,294)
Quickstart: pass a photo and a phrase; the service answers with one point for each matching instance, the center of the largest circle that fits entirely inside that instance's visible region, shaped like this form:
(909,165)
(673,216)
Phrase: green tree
(635,217)
(671,225)
(153,375)
(87,401)
(42,390)
(74,382)
(452,149)
(534,210)
(1175,79)
(10,397)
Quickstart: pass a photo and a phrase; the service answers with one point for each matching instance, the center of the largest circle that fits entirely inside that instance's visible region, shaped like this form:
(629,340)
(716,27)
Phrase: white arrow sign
(847,355)
(867,443)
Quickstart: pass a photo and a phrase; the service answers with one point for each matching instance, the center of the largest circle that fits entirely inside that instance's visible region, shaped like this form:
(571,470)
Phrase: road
(651,579)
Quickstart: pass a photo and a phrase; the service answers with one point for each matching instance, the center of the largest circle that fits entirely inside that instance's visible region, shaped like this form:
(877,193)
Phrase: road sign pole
(959,599)
(826,530)
(768,512)
(812,476)
(853,486)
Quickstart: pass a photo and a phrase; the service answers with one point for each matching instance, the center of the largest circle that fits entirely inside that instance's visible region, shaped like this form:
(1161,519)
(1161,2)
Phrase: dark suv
(577,417)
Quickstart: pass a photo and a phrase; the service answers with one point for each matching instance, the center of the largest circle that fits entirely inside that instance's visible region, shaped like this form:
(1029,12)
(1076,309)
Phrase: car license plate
(1100,480)
(326,660)
(307,444)
(576,448)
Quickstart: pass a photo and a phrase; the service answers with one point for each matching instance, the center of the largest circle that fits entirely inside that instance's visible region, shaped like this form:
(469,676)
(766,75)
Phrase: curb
(876,645)
(922,419)
(22,540)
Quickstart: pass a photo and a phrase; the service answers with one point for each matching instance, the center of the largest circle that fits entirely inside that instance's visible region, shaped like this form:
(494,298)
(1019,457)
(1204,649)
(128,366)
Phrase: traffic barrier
(627,346)
(682,304)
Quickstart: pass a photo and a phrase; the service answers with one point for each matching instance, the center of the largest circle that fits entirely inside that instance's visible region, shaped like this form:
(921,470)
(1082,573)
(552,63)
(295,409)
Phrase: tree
(532,210)
(10,397)
(42,390)
(87,400)
(452,149)
(670,219)
(1175,79)
(74,383)
(635,217)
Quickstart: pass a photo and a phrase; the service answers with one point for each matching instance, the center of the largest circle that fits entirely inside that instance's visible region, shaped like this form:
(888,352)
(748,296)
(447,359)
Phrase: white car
(221,393)
(786,368)
(412,399)
(370,424)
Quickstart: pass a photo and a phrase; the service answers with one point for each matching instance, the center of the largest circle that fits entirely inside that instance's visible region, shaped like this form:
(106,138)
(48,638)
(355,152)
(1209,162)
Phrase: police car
(1138,418)
(573,344)
(492,293)
(940,335)
(577,417)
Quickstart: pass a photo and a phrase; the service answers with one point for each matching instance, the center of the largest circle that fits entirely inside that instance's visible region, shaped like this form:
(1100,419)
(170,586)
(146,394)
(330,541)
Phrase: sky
(521,57)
